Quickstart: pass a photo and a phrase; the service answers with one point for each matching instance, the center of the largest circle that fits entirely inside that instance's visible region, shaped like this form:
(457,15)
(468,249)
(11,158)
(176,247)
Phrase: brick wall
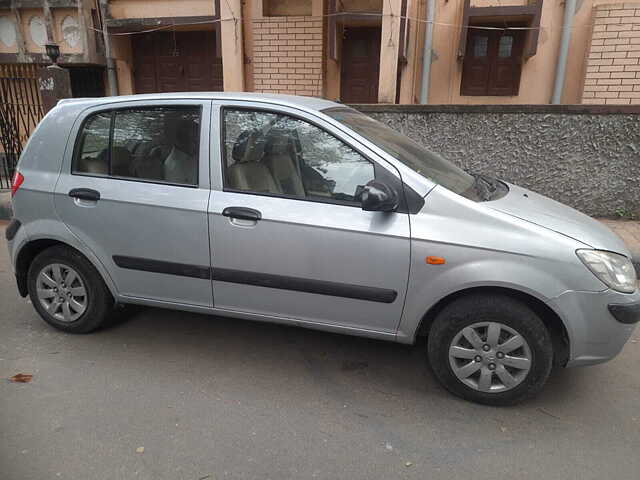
(613,65)
(287,55)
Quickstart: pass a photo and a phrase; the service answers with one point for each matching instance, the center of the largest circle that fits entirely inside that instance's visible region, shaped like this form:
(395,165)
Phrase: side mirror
(379,197)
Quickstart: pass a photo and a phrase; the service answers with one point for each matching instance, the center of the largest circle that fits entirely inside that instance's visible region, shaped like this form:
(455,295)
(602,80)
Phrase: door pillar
(232,51)
(389,45)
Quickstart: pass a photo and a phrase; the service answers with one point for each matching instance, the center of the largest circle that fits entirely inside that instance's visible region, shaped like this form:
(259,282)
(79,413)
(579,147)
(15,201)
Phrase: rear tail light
(17,181)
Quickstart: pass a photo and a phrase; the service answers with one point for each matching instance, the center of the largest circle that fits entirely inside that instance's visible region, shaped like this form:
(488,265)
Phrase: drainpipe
(426,54)
(561,69)
(112,81)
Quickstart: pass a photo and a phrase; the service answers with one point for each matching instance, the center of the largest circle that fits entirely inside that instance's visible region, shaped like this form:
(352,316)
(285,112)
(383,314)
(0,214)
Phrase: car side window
(273,153)
(157,144)
(93,143)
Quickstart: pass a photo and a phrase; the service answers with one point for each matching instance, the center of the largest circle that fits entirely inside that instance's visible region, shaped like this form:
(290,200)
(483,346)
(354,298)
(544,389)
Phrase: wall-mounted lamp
(53,52)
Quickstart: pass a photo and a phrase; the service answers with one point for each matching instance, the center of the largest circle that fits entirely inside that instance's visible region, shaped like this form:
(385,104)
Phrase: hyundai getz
(305,212)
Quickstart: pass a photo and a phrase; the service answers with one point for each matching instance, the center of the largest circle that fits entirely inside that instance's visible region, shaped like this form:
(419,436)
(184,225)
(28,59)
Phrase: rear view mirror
(379,197)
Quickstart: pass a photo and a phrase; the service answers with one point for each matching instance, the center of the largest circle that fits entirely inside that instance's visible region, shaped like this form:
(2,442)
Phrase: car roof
(305,103)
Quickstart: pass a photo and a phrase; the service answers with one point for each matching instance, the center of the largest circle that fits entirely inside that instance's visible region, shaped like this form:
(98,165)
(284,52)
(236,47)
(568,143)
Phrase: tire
(517,375)
(97,301)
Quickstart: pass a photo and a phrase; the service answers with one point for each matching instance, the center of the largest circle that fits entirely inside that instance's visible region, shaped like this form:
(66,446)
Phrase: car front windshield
(402,148)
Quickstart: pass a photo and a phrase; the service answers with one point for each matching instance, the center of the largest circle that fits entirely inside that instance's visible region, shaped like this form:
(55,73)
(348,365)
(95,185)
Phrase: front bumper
(596,334)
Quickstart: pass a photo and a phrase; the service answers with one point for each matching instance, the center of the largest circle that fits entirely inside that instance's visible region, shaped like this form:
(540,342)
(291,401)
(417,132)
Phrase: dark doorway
(176,62)
(87,81)
(360,65)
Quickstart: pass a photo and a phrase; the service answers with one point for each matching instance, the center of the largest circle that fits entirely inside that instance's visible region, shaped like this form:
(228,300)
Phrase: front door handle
(242,213)
(85,194)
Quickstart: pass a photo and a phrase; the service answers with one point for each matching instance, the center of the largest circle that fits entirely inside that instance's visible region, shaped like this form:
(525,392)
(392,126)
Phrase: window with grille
(492,62)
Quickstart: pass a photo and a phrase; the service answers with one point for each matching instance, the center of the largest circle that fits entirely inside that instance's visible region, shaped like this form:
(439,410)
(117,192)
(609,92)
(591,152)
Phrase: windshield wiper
(485,187)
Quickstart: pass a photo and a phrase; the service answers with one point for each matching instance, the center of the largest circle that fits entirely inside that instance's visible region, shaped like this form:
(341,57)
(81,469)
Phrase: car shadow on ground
(259,349)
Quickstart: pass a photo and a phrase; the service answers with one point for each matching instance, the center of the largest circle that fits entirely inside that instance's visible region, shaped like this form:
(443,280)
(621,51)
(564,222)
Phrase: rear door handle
(85,194)
(242,213)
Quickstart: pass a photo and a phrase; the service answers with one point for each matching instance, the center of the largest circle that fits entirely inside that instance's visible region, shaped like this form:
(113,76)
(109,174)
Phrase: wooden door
(176,62)
(360,65)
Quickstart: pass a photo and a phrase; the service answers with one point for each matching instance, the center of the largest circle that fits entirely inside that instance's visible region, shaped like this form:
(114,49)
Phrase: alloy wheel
(490,357)
(61,292)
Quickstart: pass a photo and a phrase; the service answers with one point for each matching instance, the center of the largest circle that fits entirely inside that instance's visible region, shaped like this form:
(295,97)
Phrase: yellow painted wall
(160,8)
(538,73)
(26,15)
(360,5)
(121,52)
(59,14)
(9,48)
(498,3)
(286,7)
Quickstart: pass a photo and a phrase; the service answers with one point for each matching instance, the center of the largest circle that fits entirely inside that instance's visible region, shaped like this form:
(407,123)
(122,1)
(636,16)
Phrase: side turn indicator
(435,260)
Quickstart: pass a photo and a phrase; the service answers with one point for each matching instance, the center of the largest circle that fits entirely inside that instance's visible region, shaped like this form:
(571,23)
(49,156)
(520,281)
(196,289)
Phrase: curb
(5,205)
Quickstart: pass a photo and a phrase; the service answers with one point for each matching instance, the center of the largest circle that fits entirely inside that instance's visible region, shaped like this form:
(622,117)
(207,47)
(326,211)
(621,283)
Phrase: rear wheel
(490,349)
(67,291)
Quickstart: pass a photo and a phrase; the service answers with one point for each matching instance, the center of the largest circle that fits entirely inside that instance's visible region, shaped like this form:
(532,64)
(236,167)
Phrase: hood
(540,210)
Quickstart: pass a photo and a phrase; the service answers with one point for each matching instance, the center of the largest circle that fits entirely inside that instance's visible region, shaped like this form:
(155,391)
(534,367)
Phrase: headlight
(614,270)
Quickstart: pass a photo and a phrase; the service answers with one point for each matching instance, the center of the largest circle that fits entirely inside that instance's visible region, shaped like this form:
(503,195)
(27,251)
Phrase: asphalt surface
(211,398)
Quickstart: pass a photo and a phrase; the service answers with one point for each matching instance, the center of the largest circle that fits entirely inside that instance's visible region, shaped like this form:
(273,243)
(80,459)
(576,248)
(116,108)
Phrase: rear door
(134,189)
(289,238)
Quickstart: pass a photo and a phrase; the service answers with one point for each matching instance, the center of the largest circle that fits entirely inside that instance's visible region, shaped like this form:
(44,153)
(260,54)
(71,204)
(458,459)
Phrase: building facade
(354,51)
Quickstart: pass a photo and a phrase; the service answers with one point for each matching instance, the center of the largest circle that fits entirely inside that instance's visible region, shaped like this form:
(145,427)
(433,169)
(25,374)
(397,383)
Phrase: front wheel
(67,291)
(490,349)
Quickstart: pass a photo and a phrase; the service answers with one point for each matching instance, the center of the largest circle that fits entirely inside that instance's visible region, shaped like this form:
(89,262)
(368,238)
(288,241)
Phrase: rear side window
(94,143)
(157,144)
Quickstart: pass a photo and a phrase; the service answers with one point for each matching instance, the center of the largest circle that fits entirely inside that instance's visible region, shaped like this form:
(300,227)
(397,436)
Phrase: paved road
(220,398)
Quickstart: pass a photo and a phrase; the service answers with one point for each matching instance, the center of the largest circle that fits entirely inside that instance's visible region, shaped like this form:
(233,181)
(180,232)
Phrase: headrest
(277,143)
(252,140)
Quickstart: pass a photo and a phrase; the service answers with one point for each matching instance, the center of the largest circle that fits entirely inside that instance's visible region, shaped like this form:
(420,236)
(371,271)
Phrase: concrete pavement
(212,398)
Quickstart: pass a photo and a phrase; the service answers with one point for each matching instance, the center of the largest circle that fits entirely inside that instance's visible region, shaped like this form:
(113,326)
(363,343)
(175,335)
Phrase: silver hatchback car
(305,212)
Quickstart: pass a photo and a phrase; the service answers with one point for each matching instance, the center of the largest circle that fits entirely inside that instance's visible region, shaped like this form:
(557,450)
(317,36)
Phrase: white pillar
(389,51)
(231,39)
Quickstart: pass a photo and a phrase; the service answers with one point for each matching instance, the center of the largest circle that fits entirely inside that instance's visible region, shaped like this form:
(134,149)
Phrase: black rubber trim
(12,229)
(160,266)
(625,312)
(281,282)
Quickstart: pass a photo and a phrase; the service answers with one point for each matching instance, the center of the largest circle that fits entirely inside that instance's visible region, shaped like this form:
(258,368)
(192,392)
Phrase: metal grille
(21,110)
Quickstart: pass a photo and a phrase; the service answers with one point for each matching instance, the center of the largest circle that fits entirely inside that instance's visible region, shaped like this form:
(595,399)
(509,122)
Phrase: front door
(134,189)
(289,238)
(360,65)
